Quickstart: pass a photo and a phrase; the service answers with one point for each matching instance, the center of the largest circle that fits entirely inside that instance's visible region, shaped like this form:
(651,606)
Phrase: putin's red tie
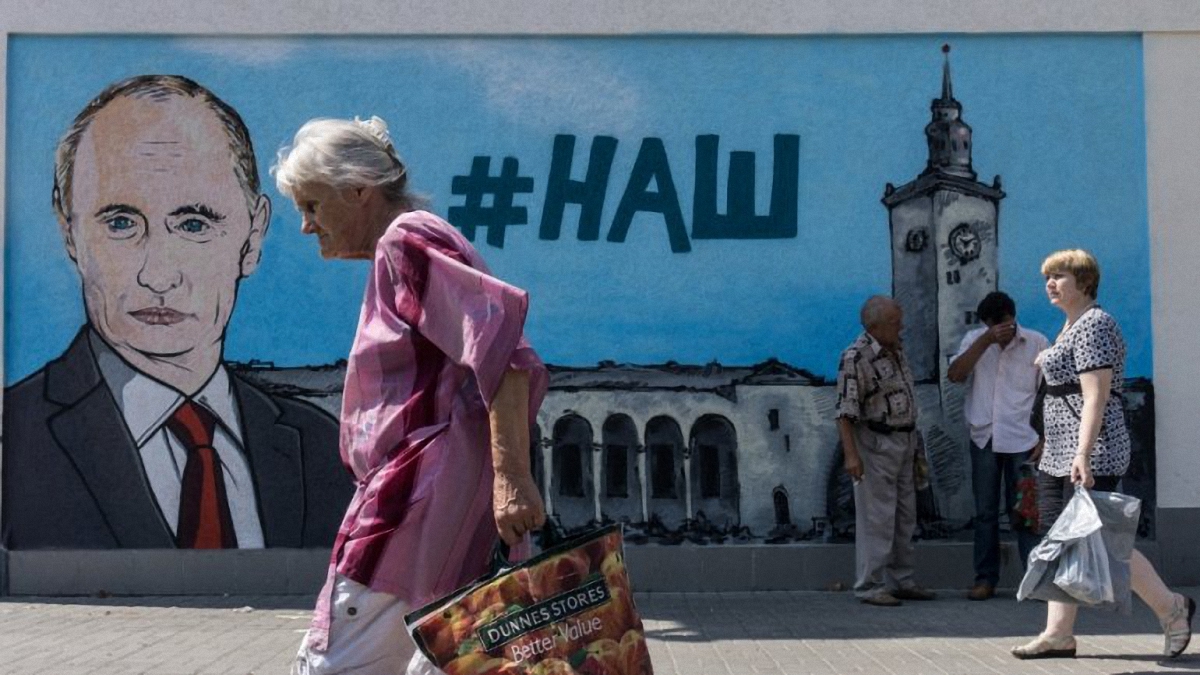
(204,519)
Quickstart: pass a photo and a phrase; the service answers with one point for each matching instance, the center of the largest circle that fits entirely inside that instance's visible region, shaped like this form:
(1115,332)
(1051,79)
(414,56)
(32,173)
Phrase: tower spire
(947,88)
(948,135)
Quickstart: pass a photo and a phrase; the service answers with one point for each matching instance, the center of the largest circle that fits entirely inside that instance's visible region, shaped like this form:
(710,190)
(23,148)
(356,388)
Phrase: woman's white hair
(344,154)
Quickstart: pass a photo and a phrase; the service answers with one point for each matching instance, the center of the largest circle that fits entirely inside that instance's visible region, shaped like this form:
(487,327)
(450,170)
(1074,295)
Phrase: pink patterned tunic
(436,334)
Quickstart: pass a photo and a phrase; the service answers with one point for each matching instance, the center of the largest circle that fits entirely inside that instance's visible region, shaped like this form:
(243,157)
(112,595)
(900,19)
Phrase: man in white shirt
(997,362)
(138,435)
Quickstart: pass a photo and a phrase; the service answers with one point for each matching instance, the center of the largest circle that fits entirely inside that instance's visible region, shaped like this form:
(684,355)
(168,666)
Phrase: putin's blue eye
(120,224)
(193,226)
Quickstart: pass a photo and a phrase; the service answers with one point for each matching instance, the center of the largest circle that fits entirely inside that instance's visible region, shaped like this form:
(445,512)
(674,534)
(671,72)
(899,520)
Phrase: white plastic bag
(1083,566)
(1107,522)
(1083,571)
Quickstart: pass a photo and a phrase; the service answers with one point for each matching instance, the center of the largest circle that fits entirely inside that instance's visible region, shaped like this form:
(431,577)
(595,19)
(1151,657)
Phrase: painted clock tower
(944,241)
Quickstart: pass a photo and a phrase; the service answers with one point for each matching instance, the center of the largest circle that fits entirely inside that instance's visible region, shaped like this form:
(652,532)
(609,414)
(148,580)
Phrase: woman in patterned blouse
(1087,442)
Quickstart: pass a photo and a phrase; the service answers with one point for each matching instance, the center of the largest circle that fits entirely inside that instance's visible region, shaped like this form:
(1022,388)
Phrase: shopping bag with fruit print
(566,611)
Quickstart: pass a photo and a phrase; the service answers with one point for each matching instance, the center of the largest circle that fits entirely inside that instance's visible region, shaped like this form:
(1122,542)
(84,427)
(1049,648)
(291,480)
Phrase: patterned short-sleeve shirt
(875,385)
(1092,343)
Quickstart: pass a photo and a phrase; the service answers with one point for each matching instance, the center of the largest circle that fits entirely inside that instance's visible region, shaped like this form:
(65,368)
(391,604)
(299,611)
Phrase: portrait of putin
(139,435)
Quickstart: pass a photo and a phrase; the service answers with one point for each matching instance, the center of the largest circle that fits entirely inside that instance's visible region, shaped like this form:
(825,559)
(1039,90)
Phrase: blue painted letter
(651,165)
(741,222)
(588,193)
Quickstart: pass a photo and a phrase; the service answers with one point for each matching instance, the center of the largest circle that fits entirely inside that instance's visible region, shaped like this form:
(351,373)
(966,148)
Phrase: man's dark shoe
(883,599)
(981,592)
(913,593)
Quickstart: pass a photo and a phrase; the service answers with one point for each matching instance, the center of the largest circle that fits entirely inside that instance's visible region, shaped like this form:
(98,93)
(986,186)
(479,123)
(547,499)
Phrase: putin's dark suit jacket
(73,477)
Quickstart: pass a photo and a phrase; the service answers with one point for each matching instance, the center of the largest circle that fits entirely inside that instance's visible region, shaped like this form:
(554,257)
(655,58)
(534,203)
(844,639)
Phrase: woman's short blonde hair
(1079,264)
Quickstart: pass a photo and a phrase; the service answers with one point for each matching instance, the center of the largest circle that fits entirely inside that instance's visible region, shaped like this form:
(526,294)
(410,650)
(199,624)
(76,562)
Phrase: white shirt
(147,404)
(1001,390)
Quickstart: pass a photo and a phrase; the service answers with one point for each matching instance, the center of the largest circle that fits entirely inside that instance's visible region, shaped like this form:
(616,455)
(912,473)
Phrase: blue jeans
(989,472)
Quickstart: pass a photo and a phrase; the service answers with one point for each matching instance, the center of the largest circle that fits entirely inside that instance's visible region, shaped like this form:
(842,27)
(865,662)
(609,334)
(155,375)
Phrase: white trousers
(366,637)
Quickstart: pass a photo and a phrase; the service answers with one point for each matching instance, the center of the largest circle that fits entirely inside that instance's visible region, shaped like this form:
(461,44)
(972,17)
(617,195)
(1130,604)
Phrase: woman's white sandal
(1178,627)
(1042,647)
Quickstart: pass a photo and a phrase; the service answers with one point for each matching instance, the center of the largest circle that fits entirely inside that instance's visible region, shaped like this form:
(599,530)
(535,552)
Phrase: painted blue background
(1059,117)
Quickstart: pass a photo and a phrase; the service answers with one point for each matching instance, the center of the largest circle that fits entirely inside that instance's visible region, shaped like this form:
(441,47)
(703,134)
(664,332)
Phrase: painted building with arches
(733,446)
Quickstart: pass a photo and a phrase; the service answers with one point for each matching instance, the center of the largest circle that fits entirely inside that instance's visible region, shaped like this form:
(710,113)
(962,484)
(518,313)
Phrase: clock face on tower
(964,243)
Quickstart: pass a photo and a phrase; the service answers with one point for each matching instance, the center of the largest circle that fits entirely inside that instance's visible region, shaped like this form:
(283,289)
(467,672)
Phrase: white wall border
(598,17)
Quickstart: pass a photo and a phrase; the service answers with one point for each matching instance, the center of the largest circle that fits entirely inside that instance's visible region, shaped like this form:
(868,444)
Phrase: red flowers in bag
(1025,510)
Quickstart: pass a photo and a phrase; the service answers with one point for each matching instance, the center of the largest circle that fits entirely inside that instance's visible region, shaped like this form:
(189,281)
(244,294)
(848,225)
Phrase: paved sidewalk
(689,633)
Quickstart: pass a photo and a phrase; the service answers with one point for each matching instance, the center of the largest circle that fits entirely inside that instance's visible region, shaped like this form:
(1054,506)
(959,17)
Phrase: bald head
(883,319)
(151,90)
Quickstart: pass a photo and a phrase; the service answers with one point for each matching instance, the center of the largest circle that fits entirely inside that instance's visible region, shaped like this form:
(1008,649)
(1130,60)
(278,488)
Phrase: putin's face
(160,227)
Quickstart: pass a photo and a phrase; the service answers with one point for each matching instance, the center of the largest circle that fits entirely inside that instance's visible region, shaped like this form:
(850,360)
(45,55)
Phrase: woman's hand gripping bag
(566,611)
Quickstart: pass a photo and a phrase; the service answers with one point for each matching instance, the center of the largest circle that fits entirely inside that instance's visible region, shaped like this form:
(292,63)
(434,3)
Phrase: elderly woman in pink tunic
(441,389)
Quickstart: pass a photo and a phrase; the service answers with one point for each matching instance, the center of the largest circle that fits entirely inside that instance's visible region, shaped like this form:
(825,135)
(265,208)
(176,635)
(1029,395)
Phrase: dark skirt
(1053,493)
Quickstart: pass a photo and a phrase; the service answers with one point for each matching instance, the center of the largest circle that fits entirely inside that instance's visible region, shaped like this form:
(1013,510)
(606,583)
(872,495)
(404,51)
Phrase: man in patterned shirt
(876,418)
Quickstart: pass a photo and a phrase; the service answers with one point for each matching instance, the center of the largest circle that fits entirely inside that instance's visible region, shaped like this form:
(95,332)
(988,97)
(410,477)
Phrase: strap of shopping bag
(549,536)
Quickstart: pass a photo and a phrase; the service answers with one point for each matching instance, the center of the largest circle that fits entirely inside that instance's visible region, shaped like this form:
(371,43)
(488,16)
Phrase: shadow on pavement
(1159,672)
(1184,661)
(297,602)
(699,617)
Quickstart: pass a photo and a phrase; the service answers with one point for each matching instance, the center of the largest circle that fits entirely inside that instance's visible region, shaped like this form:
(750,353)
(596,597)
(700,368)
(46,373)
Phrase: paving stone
(776,633)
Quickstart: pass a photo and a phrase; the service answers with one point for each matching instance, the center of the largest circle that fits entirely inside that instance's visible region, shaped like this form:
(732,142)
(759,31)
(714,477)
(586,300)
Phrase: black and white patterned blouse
(1093,342)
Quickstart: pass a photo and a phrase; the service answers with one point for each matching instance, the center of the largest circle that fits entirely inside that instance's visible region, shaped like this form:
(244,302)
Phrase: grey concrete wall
(1173,172)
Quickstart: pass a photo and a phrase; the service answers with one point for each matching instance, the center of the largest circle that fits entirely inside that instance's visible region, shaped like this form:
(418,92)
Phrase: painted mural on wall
(122,440)
(719,207)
